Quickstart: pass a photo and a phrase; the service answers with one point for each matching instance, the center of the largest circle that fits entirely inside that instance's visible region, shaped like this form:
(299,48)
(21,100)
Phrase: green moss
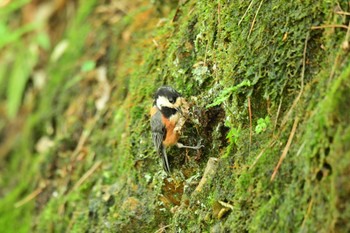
(229,56)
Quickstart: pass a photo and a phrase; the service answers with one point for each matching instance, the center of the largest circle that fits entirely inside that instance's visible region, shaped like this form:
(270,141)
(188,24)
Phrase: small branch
(286,148)
(330,26)
(338,56)
(250,123)
(285,119)
(206,53)
(261,153)
(87,174)
(82,139)
(162,229)
(245,13)
(29,197)
(155,43)
(342,13)
(347,33)
(307,214)
(219,10)
(251,28)
(278,113)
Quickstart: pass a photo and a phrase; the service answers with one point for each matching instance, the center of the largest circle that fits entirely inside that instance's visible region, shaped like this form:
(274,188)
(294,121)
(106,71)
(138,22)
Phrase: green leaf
(23,63)
(263,124)
(88,66)
(16,84)
(226,93)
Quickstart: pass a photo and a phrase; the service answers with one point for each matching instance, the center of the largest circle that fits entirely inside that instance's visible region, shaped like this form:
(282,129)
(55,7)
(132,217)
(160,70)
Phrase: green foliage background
(267,80)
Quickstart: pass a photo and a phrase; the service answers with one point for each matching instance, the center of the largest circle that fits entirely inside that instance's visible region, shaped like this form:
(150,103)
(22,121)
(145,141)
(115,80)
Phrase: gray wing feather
(158,131)
(158,135)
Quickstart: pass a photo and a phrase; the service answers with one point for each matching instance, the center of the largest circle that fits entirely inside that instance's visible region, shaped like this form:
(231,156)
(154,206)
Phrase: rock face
(267,85)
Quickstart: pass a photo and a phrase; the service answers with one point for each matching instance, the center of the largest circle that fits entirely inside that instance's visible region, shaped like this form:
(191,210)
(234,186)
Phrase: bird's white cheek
(163,102)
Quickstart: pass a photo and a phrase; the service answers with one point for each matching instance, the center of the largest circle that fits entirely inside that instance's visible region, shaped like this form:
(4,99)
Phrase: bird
(169,113)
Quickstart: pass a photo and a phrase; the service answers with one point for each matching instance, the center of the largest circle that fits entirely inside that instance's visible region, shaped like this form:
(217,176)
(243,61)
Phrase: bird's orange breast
(171,137)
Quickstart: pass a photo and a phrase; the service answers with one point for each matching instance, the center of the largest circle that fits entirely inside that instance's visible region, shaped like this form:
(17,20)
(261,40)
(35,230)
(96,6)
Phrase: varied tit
(168,115)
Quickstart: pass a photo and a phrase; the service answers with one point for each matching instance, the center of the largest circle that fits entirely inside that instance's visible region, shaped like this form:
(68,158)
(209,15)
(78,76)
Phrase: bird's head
(167,99)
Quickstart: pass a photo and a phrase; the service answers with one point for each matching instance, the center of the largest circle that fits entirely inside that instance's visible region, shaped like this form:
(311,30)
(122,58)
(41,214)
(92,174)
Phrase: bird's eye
(172,100)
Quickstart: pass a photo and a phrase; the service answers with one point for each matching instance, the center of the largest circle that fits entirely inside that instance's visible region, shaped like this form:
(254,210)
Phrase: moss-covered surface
(270,101)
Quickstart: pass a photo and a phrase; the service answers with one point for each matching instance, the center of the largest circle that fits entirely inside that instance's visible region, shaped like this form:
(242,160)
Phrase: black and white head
(167,99)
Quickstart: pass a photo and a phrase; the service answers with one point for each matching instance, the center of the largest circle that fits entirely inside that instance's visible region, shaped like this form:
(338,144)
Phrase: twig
(278,113)
(162,229)
(251,28)
(29,197)
(306,215)
(261,153)
(338,56)
(82,139)
(347,33)
(155,43)
(300,149)
(342,13)
(4,3)
(286,148)
(285,119)
(205,56)
(219,10)
(330,26)
(87,174)
(250,123)
(246,11)
(90,125)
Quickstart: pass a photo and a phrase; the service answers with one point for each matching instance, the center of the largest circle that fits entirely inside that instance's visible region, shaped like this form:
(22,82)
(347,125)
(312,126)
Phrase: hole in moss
(110,202)
(302,184)
(318,156)
(330,139)
(326,151)
(227,40)
(319,175)
(325,171)
(328,167)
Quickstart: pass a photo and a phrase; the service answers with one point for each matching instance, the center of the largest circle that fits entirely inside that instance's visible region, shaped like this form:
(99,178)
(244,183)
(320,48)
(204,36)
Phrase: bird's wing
(158,131)
(158,135)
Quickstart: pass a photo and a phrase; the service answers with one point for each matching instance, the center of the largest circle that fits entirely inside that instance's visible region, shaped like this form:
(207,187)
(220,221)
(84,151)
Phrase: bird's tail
(166,166)
(157,140)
